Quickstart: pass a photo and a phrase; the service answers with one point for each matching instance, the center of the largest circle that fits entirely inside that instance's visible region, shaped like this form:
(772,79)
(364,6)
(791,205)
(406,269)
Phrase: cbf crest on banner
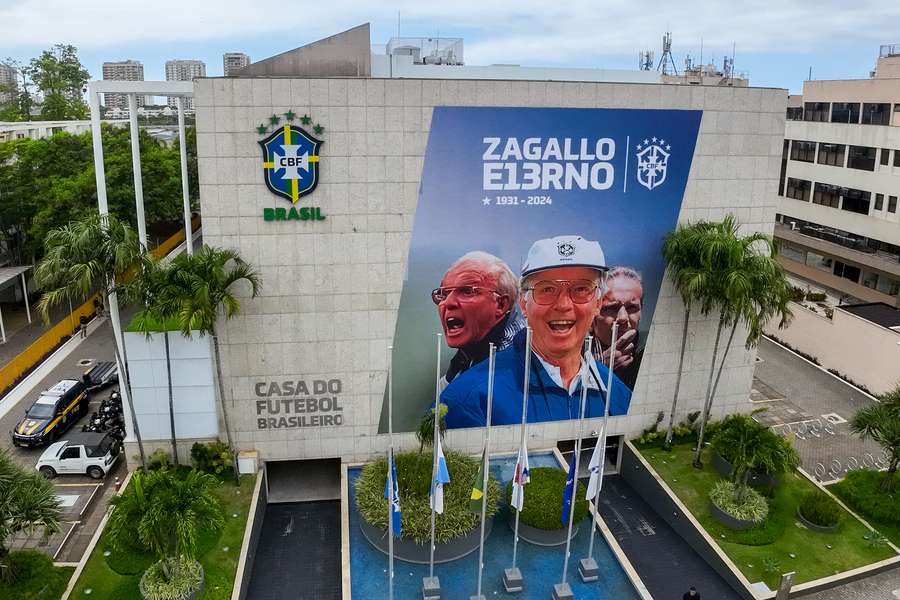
(290,158)
(653,161)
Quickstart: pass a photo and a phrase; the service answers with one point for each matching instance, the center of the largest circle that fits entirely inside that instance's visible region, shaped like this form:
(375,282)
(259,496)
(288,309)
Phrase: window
(892,204)
(792,252)
(876,114)
(845,112)
(816,111)
(70,453)
(897,158)
(885,157)
(798,189)
(879,201)
(784,158)
(795,113)
(846,271)
(888,286)
(817,261)
(805,151)
(827,195)
(832,154)
(856,201)
(861,157)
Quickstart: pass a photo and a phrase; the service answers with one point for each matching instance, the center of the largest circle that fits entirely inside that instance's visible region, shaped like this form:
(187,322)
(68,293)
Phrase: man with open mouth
(476,304)
(561,282)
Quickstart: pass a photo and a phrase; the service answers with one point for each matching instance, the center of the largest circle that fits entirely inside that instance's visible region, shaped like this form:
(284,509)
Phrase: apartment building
(233,61)
(8,77)
(184,70)
(125,70)
(838,221)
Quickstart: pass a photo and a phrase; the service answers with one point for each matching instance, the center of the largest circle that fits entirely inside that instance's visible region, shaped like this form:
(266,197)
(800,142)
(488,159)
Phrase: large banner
(577,200)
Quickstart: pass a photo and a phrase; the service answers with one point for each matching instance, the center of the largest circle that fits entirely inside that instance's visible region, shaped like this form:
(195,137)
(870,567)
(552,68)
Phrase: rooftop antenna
(733,46)
(645,60)
(701,51)
(666,59)
(398,23)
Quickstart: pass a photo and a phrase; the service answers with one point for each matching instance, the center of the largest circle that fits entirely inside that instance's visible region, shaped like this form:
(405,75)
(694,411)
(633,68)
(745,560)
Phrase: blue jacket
(466,396)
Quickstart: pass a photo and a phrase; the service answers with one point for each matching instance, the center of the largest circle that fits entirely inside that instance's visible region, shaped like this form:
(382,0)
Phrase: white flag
(520,478)
(597,462)
(441,477)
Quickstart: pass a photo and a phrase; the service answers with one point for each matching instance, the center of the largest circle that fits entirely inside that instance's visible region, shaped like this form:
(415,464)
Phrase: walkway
(20,333)
(666,563)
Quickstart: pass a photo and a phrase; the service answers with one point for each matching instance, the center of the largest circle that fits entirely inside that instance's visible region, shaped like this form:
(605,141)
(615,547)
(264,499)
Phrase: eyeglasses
(581,291)
(464,293)
(613,308)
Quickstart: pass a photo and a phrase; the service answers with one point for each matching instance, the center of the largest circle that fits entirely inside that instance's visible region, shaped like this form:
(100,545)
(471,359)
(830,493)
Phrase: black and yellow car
(52,413)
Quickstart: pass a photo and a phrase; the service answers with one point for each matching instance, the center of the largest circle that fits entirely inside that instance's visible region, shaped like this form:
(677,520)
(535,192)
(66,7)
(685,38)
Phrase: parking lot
(84,500)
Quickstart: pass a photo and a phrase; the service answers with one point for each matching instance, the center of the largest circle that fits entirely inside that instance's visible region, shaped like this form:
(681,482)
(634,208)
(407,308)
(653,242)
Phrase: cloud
(577,32)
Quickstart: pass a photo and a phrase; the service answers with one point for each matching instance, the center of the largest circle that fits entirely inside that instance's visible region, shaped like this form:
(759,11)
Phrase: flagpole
(603,433)
(434,446)
(487,463)
(524,421)
(391,482)
(573,498)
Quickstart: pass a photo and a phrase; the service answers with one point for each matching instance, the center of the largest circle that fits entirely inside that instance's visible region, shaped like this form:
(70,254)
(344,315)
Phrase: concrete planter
(410,551)
(728,521)
(193,595)
(818,528)
(724,468)
(542,537)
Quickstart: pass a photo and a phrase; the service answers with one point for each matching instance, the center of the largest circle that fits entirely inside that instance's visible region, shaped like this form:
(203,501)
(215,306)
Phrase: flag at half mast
(478,487)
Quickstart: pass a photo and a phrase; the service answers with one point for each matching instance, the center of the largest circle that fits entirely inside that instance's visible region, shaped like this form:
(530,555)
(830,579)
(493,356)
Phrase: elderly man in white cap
(561,281)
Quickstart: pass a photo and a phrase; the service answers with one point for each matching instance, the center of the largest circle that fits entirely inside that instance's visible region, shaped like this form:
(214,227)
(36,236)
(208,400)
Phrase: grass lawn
(219,565)
(36,577)
(781,536)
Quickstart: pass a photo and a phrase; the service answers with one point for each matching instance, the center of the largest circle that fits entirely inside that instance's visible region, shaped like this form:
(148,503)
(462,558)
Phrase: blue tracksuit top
(466,396)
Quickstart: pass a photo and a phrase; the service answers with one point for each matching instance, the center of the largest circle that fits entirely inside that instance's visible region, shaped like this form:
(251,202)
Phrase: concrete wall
(193,391)
(650,489)
(331,289)
(256,518)
(863,351)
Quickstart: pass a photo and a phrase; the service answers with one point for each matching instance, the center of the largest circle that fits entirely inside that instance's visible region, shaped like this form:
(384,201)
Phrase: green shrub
(36,577)
(414,479)
(213,457)
(158,460)
(815,296)
(820,509)
(861,489)
(797,293)
(740,501)
(185,576)
(544,497)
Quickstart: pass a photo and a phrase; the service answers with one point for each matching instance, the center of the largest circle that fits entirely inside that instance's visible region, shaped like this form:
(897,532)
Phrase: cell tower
(645,60)
(667,60)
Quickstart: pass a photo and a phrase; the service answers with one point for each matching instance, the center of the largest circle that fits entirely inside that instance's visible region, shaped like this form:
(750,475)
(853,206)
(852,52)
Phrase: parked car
(52,414)
(91,454)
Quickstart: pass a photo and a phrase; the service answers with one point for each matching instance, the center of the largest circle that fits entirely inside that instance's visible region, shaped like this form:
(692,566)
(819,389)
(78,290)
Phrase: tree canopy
(59,75)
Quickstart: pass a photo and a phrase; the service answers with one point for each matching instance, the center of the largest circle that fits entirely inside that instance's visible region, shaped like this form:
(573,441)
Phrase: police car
(52,413)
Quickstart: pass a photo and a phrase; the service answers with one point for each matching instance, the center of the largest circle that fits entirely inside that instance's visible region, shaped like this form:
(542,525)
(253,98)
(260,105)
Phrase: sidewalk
(20,334)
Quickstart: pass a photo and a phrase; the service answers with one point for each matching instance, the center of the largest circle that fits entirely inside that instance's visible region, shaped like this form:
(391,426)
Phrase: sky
(776,42)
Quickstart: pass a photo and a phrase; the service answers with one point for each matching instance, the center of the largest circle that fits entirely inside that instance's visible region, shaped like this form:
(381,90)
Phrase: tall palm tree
(683,256)
(881,422)
(27,502)
(166,511)
(199,289)
(148,288)
(748,288)
(92,253)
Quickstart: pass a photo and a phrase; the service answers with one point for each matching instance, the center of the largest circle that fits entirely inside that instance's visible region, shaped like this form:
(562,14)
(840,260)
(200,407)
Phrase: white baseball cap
(564,251)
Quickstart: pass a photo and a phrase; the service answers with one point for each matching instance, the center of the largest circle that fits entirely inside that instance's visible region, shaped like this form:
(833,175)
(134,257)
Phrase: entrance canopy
(8,274)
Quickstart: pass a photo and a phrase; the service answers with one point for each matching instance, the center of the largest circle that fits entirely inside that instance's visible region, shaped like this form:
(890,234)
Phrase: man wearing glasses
(561,282)
(476,304)
(621,303)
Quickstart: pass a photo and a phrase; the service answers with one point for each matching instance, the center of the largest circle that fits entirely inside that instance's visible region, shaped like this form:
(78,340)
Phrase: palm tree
(85,255)
(751,447)
(27,502)
(165,511)
(881,422)
(148,287)
(748,288)
(425,432)
(201,287)
(682,253)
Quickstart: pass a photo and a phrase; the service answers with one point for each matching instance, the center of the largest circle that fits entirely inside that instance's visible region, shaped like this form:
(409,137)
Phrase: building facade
(126,70)
(8,82)
(184,70)
(233,61)
(838,220)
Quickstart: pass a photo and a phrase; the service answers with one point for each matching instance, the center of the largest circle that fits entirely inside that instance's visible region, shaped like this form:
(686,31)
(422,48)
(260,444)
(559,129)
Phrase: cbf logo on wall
(653,161)
(291,166)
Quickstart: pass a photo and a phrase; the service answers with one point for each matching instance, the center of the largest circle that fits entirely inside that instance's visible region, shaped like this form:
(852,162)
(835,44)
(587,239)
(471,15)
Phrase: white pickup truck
(84,453)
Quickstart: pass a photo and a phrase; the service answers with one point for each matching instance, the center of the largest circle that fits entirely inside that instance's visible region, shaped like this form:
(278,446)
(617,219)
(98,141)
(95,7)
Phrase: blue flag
(392,493)
(569,493)
(442,476)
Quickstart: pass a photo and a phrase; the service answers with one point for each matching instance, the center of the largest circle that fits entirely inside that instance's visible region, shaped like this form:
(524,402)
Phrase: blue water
(541,567)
